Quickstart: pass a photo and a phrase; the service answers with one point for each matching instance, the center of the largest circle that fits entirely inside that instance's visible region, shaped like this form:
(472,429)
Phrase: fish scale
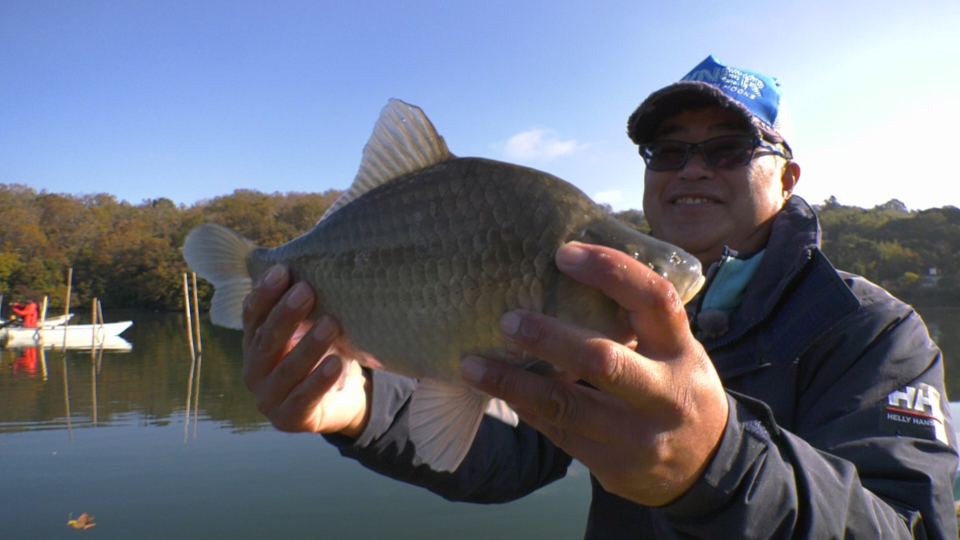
(422,256)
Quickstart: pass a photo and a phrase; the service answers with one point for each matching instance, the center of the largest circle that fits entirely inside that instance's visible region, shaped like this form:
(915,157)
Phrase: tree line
(129,255)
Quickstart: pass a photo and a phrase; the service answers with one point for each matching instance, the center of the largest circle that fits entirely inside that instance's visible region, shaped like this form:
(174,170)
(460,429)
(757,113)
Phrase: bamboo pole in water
(93,387)
(196,395)
(186,308)
(66,310)
(43,319)
(196,322)
(66,396)
(196,313)
(193,358)
(93,327)
(103,334)
(43,364)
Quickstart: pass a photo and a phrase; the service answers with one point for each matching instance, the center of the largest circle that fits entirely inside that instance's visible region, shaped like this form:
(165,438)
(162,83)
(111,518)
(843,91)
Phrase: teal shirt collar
(730,279)
(726,287)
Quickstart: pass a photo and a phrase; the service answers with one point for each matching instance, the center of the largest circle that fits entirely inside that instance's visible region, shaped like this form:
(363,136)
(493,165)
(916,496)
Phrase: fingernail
(570,256)
(472,369)
(299,296)
(330,366)
(273,276)
(324,329)
(509,323)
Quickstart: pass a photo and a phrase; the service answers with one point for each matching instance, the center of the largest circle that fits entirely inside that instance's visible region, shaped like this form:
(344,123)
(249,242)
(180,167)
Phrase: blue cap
(754,95)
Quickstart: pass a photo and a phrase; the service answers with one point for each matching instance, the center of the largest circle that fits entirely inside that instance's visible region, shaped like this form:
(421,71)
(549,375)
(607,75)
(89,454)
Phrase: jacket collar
(794,236)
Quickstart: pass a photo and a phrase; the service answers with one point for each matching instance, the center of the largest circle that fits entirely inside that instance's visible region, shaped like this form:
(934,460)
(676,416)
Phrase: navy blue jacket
(839,423)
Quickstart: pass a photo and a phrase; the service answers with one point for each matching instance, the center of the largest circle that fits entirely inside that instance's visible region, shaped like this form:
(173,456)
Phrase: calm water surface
(155,445)
(152,452)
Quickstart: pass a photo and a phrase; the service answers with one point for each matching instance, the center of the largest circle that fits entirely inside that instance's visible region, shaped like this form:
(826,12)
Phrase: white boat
(59,320)
(79,336)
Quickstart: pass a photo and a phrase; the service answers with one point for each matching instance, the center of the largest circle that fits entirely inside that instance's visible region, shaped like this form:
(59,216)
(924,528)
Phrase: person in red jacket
(28,312)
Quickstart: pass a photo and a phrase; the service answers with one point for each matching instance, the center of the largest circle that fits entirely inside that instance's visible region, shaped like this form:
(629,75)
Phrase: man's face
(702,208)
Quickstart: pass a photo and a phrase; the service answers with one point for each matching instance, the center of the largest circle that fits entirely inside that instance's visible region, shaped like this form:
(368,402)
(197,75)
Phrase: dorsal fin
(403,141)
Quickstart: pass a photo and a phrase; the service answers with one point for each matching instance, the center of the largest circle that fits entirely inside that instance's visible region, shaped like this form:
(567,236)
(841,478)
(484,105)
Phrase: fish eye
(659,270)
(676,259)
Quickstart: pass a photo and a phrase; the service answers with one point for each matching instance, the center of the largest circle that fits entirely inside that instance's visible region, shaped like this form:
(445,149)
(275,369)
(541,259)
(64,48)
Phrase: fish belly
(420,270)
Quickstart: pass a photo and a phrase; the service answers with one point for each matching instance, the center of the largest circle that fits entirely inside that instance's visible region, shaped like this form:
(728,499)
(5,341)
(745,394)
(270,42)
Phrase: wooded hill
(129,255)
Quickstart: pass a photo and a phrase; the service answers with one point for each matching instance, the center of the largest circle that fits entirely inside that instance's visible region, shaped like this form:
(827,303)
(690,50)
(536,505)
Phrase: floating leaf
(85,521)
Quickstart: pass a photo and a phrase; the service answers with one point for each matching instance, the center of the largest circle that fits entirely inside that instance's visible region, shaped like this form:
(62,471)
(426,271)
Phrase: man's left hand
(651,424)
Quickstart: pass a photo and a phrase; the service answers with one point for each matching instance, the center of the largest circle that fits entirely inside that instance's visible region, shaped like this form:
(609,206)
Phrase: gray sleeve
(504,463)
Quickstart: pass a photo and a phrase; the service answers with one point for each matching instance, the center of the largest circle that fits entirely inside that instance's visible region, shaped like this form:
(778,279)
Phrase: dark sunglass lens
(665,155)
(729,152)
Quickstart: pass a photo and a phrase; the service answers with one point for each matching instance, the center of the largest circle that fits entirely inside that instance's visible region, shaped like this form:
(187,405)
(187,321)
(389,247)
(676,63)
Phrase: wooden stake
(93,387)
(102,334)
(43,363)
(93,327)
(186,308)
(66,396)
(66,310)
(196,396)
(43,319)
(196,313)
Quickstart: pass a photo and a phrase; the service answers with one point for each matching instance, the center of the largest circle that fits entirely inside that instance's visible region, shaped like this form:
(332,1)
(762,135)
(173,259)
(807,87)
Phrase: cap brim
(666,102)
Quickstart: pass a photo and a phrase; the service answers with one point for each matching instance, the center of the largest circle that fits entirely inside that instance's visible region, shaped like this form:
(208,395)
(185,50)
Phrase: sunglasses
(727,152)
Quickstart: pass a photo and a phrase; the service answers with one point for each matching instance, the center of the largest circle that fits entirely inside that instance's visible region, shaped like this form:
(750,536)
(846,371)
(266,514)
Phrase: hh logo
(917,406)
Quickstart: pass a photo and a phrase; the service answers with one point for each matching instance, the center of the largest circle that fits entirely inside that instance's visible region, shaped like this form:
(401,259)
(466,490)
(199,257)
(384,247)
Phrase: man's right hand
(282,365)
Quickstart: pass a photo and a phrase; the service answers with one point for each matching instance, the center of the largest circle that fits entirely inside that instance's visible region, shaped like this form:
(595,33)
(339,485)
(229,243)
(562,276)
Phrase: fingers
(263,297)
(270,319)
(565,412)
(297,384)
(294,410)
(655,310)
(303,358)
(607,365)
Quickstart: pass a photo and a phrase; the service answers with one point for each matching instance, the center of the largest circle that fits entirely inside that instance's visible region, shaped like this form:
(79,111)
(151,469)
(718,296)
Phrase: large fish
(422,255)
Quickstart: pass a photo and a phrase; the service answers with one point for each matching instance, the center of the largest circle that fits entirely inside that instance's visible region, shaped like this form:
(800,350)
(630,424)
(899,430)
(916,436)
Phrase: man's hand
(651,425)
(282,364)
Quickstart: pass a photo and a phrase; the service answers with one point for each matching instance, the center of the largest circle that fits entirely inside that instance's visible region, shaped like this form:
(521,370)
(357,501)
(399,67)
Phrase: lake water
(154,445)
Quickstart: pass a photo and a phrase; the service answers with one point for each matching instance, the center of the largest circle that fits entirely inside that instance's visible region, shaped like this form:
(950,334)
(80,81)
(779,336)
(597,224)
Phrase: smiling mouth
(691,200)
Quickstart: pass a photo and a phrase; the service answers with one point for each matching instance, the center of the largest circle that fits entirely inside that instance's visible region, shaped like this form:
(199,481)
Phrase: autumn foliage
(129,256)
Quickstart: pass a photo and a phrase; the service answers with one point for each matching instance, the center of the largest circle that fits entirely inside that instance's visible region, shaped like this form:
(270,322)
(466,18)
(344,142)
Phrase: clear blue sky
(193,99)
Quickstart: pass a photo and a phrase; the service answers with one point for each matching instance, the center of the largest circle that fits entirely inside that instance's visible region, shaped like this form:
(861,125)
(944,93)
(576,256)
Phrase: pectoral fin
(499,409)
(444,420)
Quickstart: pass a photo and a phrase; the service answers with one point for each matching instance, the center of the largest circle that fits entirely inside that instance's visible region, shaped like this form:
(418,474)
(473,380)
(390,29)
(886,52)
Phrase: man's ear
(789,177)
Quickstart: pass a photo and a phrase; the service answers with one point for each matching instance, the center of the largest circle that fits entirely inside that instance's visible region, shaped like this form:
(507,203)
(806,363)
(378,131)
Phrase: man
(29,313)
(795,401)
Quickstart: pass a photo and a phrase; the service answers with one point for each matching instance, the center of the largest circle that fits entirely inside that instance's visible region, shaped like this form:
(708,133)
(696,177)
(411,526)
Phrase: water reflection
(26,363)
(102,434)
(38,388)
(159,379)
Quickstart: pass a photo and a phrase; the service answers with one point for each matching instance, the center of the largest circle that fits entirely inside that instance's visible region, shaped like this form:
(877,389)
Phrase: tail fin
(219,255)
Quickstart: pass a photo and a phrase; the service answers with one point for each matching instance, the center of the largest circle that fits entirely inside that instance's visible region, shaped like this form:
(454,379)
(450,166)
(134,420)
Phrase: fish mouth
(692,290)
